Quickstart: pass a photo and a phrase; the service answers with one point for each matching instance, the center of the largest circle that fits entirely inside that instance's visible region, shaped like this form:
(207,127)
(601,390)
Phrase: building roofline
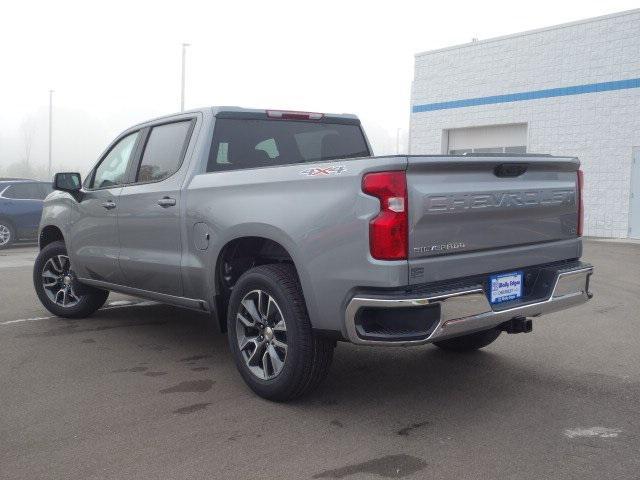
(530,32)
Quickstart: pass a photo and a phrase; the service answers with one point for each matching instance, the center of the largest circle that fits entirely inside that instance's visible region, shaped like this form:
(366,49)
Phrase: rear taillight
(580,202)
(388,232)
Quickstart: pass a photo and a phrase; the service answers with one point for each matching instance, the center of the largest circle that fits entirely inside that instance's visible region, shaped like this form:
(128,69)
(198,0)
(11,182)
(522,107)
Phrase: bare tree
(28,129)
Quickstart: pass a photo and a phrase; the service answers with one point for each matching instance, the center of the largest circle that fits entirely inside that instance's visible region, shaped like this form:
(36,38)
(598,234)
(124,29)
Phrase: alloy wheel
(261,333)
(57,281)
(5,235)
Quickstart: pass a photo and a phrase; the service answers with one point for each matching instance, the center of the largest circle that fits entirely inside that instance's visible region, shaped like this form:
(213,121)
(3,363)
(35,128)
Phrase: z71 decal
(323,171)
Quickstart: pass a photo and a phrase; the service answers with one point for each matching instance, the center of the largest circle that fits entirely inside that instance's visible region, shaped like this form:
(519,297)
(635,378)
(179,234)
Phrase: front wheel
(57,288)
(467,343)
(270,334)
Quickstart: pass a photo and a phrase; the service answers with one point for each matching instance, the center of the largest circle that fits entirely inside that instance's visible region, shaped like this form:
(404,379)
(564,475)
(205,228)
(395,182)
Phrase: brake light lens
(292,115)
(580,202)
(388,232)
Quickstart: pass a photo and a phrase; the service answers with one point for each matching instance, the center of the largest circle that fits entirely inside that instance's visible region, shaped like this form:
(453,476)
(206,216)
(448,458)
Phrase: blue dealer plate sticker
(505,287)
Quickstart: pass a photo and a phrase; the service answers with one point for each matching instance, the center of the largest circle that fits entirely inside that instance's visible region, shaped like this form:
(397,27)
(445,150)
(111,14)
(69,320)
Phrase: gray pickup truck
(285,228)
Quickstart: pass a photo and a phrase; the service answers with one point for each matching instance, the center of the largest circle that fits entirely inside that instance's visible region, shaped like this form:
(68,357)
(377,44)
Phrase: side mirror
(67,182)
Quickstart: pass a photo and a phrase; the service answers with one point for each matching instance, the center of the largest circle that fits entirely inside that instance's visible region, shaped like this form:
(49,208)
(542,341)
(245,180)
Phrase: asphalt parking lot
(147,391)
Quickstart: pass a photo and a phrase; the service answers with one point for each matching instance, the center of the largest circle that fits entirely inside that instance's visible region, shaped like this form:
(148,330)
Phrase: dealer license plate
(505,287)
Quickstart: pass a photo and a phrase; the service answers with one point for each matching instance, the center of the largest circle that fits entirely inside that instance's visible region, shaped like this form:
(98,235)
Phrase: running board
(191,303)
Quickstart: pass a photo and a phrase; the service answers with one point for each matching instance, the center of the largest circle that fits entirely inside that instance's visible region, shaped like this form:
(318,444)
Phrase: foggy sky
(113,64)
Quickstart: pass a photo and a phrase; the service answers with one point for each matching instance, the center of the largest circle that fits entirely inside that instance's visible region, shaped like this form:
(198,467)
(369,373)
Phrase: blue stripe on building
(533,95)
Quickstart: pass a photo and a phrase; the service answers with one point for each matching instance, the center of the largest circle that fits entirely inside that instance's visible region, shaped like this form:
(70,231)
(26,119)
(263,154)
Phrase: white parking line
(35,319)
(113,305)
(120,302)
(18,258)
(602,432)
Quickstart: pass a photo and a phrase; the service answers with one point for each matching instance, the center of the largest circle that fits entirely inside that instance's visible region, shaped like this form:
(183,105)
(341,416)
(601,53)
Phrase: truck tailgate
(459,205)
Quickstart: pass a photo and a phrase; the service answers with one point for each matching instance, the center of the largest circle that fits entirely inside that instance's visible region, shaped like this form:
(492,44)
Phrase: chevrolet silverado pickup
(285,228)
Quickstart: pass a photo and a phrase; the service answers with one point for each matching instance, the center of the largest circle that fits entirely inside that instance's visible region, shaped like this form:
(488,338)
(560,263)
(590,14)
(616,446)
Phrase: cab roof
(215,110)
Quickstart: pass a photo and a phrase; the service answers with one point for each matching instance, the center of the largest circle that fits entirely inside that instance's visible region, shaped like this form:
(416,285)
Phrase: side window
(24,191)
(111,170)
(164,151)
(14,191)
(45,189)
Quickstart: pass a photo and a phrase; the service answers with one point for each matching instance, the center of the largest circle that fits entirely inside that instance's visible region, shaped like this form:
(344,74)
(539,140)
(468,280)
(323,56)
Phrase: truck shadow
(419,379)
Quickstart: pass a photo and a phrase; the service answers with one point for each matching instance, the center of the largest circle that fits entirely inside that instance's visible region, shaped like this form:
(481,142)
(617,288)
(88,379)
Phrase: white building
(572,89)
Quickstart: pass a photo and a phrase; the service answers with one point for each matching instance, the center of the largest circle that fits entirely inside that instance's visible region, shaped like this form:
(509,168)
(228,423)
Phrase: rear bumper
(462,311)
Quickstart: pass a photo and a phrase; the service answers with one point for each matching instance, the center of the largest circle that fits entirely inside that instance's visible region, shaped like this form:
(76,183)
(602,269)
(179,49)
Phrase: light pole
(50,127)
(184,56)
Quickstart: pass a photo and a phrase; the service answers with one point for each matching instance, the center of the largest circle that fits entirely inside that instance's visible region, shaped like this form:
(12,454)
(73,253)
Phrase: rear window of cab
(254,143)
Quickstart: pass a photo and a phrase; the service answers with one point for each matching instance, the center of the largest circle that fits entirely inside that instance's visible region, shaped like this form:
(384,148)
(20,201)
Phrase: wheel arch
(48,235)
(7,220)
(242,252)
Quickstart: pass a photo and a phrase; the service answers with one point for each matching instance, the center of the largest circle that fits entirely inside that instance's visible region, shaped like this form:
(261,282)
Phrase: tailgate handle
(510,169)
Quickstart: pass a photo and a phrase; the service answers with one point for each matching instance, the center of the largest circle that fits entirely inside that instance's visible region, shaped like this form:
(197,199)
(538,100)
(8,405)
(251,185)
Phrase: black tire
(308,356)
(6,229)
(89,300)
(468,343)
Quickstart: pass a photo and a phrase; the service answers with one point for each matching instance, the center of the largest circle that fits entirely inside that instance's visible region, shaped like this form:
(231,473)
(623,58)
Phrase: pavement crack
(389,466)
(404,432)
(190,386)
(132,369)
(73,330)
(191,408)
(194,358)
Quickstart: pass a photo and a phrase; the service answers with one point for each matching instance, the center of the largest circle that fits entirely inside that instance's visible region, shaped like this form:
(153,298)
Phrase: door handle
(108,205)
(167,202)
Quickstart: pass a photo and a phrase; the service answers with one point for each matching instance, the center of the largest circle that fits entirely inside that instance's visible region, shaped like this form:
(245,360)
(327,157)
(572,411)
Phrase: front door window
(113,167)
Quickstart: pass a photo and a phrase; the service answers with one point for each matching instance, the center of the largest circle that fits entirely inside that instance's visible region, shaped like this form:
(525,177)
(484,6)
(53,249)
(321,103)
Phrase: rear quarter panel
(322,221)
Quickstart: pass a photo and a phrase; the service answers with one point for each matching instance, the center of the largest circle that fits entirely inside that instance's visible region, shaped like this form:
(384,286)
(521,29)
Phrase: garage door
(510,138)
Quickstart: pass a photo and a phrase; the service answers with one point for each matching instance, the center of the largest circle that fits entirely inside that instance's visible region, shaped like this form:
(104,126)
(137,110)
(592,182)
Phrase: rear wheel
(467,343)
(58,289)
(7,234)
(271,337)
